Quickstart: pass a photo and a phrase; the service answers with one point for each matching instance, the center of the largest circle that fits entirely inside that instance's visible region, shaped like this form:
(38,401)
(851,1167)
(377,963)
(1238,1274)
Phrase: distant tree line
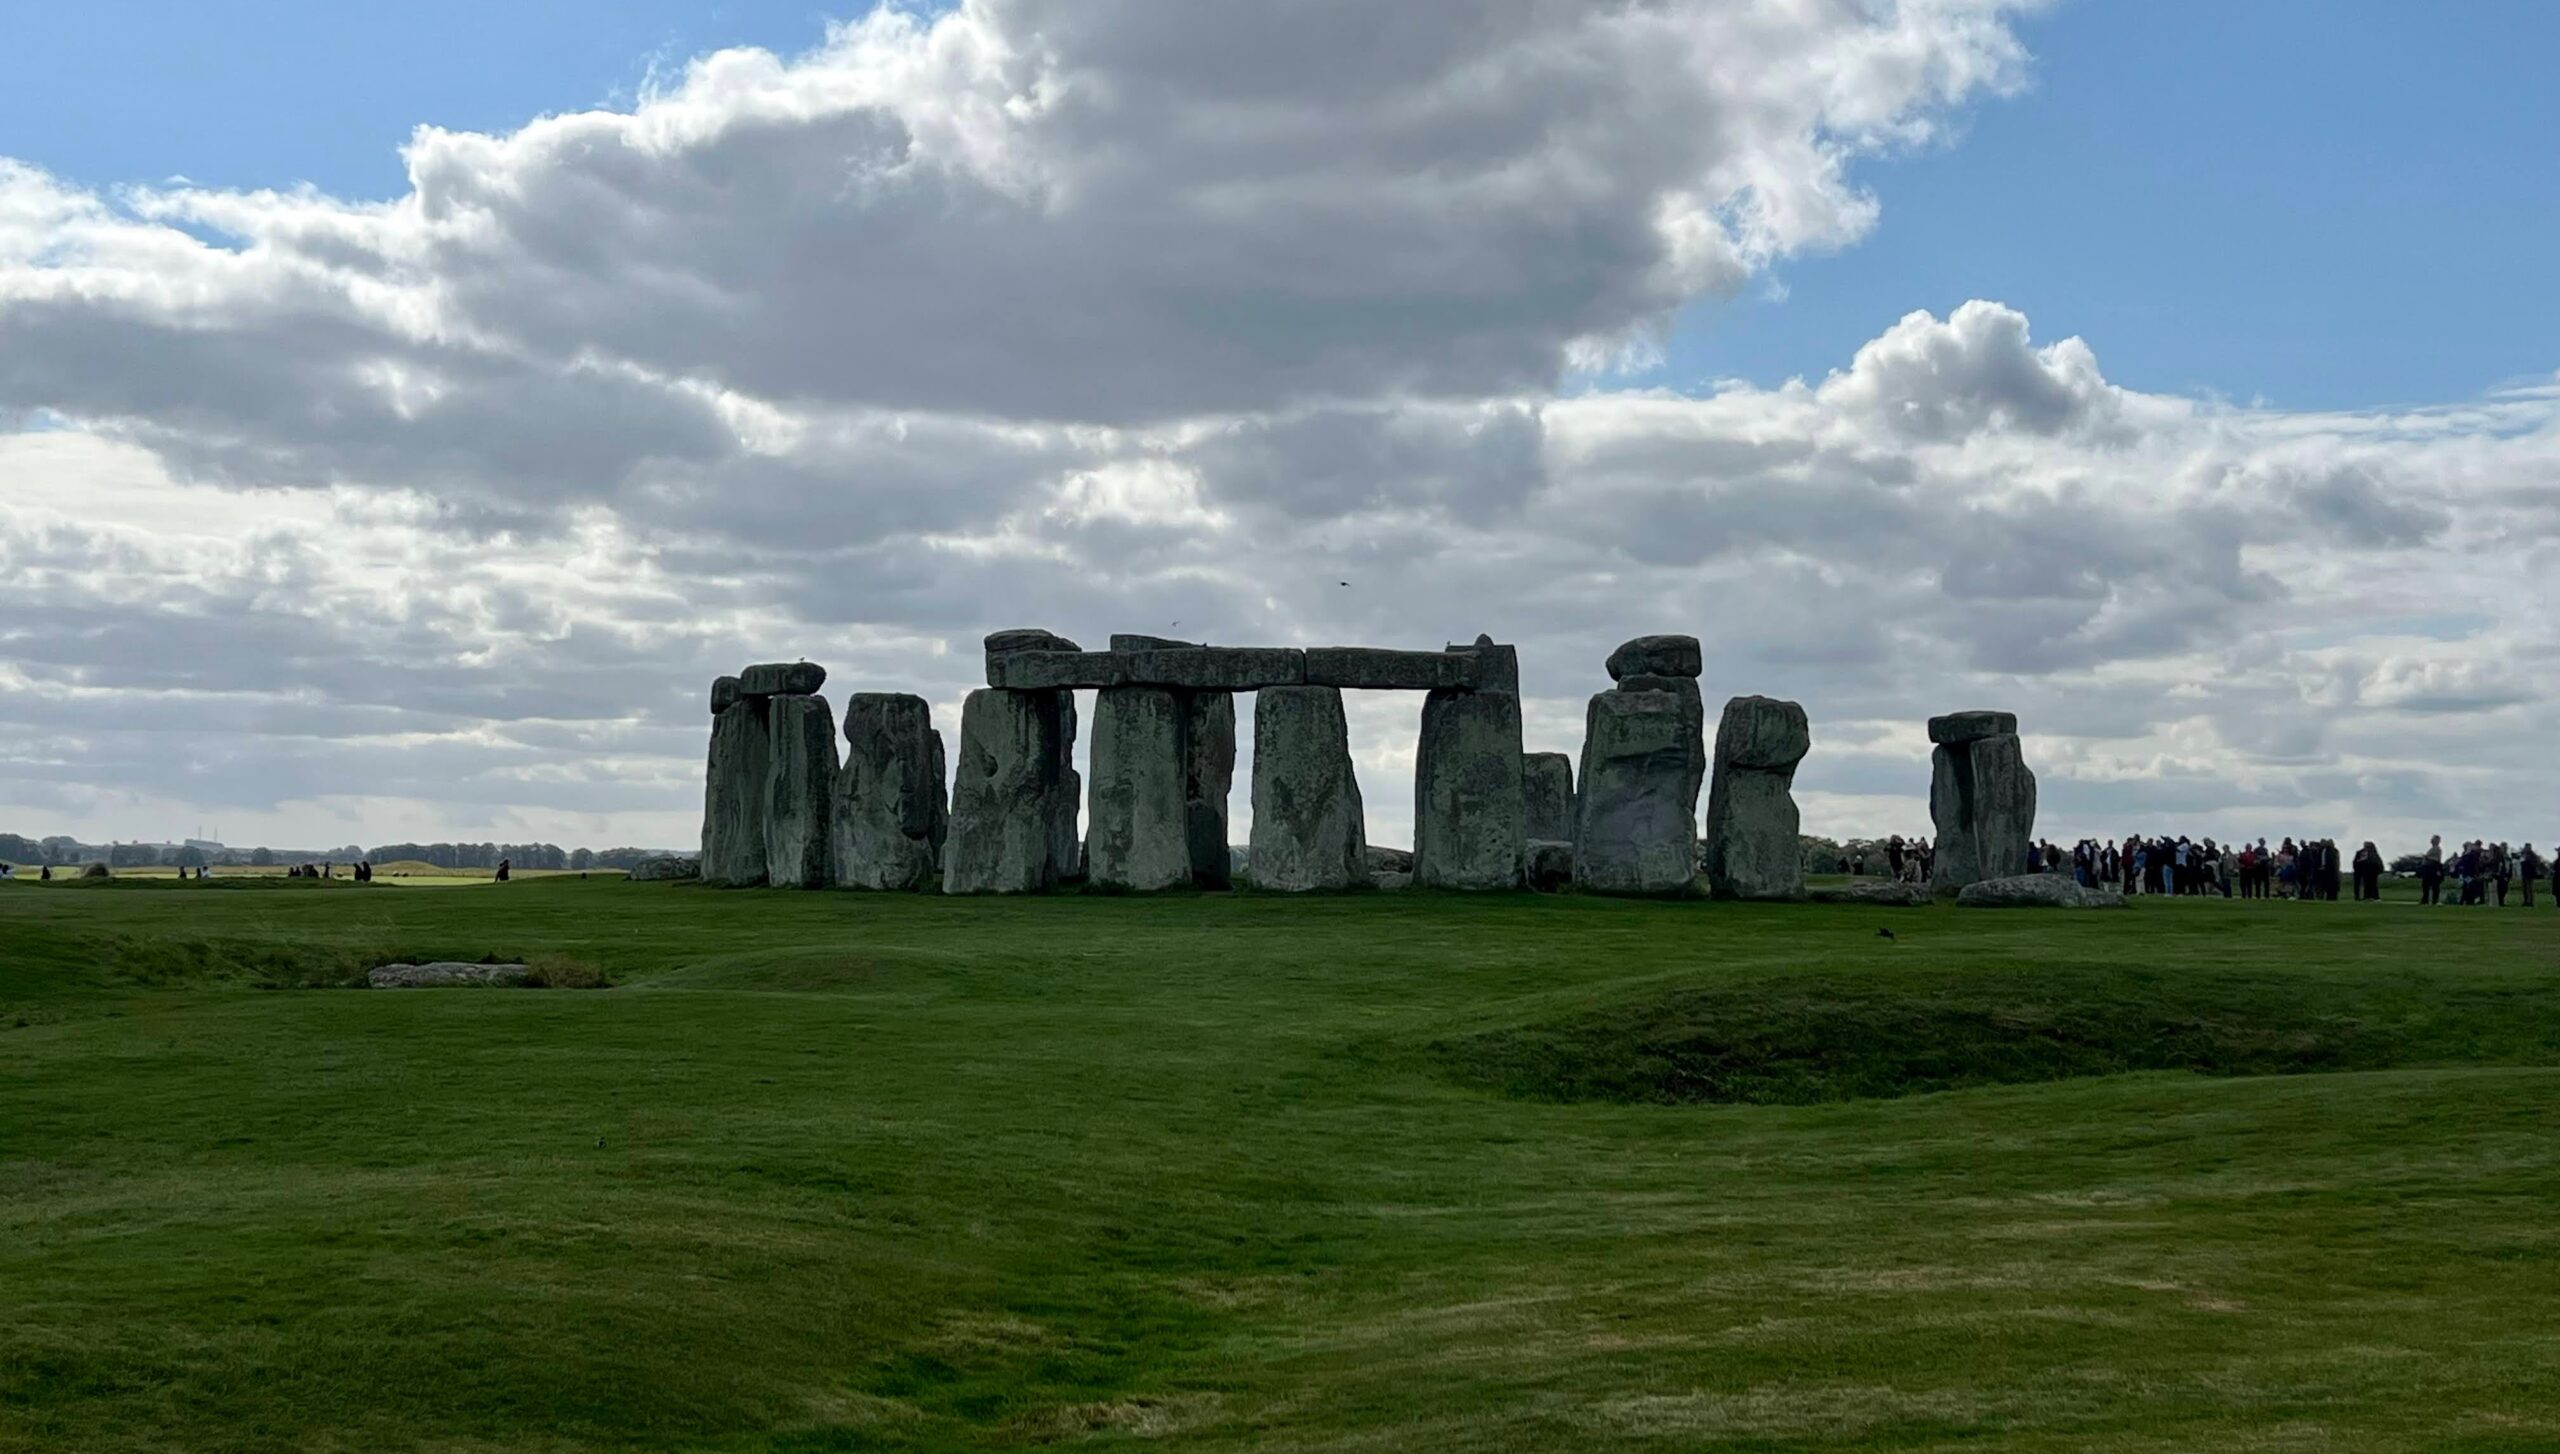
(62,850)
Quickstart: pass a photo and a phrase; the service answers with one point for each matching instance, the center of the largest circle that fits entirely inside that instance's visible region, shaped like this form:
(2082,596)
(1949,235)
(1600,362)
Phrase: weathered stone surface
(724,695)
(1467,809)
(1636,823)
(1308,826)
(446,974)
(1550,865)
(782,679)
(941,774)
(1134,641)
(800,812)
(1497,666)
(2037,891)
(1546,797)
(96,870)
(1376,669)
(1382,859)
(1666,656)
(1958,727)
(1752,848)
(1025,638)
(734,794)
(1387,880)
(1239,864)
(1887,894)
(1763,734)
(1219,668)
(1005,792)
(670,869)
(1209,756)
(1044,671)
(889,794)
(1141,837)
(1066,841)
(1982,800)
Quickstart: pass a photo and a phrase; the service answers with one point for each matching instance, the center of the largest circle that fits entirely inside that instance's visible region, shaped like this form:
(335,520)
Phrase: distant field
(1230,1172)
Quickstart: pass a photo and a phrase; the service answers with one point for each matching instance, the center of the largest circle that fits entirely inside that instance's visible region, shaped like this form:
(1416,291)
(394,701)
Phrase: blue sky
(2318,203)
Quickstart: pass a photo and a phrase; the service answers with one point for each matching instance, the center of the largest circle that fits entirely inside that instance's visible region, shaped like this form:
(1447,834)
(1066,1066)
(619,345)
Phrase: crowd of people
(2313,868)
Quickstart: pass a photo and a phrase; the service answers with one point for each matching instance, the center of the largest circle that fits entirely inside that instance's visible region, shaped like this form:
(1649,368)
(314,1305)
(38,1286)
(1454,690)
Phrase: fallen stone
(889,795)
(1005,791)
(1375,669)
(735,793)
(1957,727)
(724,695)
(1467,807)
(1884,894)
(1550,865)
(1546,797)
(1141,838)
(1308,826)
(445,974)
(2037,891)
(670,869)
(1752,848)
(1389,881)
(1240,864)
(97,870)
(1382,859)
(1637,806)
(782,679)
(799,824)
(1667,656)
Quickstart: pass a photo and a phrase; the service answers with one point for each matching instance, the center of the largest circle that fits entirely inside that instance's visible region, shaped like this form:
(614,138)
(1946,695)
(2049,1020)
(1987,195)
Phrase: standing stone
(1752,849)
(1209,762)
(889,804)
(1066,842)
(1209,758)
(1636,824)
(1982,799)
(734,787)
(1004,793)
(800,812)
(1546,797)
(1308,828)
(1141,803)
(941,832)
(1467,805)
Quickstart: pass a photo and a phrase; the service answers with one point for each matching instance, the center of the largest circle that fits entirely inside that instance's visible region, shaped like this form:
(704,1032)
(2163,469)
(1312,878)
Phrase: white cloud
(1145,316)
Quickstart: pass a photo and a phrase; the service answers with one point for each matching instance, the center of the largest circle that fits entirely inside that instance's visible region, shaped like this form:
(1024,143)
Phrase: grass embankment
(844,1172)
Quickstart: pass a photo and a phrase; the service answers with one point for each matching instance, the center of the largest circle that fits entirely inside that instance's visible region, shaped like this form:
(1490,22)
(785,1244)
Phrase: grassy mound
(1800,1043)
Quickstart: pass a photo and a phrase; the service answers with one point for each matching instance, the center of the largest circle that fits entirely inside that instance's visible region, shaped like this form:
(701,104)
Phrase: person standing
(2529,867)
(2431,871)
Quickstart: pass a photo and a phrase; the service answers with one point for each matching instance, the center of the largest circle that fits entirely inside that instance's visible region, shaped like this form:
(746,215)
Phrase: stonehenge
(1308,830)
(889,815)
(735,793)
(1751,849)
(800,784)
(1643,759)
(1546,797)
(1982,799)
(1009,813)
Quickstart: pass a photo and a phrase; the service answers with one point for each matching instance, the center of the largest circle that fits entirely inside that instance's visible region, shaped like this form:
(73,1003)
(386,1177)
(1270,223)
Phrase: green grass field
(1385,1172)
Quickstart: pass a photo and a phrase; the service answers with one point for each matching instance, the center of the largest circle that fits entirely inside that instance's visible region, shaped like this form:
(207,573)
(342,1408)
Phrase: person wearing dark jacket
(2368,866)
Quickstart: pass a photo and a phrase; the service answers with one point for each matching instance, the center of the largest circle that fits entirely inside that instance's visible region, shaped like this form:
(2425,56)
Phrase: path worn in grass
(844,1172)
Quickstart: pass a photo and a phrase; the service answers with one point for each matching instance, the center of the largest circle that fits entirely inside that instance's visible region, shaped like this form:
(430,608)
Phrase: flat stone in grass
(1889,894)
(669,869)
(2036,891)
(446,974)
